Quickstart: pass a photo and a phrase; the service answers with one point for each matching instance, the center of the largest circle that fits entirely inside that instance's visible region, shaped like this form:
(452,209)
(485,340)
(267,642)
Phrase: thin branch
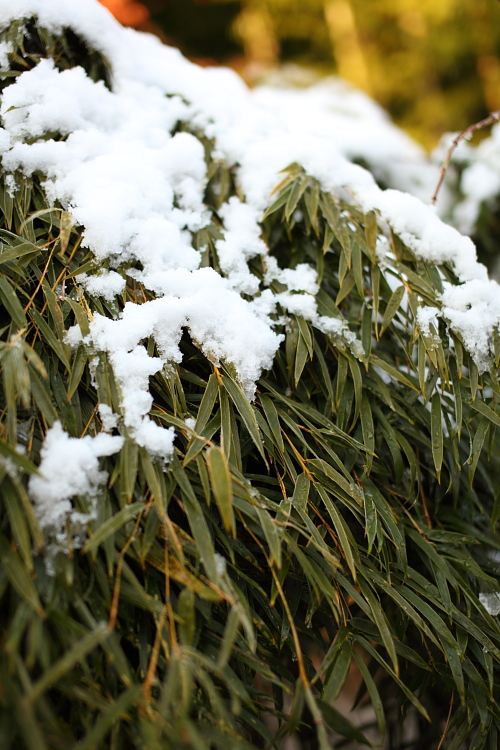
(445,731)
(490,120)
(113,612)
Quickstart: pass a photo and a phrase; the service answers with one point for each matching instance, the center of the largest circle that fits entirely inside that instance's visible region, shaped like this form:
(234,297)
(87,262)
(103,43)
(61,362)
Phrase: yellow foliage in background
(434,64)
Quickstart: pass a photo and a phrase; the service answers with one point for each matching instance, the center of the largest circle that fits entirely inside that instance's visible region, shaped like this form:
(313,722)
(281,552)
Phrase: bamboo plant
(344,521)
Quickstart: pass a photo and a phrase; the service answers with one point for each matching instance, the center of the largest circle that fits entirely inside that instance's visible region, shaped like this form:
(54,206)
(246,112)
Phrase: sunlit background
(433,64)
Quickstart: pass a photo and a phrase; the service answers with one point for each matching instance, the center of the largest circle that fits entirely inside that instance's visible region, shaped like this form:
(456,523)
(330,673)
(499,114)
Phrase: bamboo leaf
(341,725)
(371,233)
(272,420)
(10,301)
(18,251)
(245,410)
(437,434)
(347,543)
(220,480)
(105,722)
(50,338)
(486,411)
(477,446)
(381,622)
(197,523)
(112,525)
(297,190)
(77,369)
(392,308)
(338,674)
(74,655)
(371,686)
(19,577)
(17,458)
(368,430)
(187,613)
(301,492)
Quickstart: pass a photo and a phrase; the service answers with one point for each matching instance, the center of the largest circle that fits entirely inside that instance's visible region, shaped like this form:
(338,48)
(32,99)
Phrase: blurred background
(433,64)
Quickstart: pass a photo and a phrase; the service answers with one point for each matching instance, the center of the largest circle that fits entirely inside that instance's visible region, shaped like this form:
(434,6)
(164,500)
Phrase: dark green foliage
(345,517)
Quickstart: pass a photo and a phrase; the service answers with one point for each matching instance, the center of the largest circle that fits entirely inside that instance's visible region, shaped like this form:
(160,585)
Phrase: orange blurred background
(128,12)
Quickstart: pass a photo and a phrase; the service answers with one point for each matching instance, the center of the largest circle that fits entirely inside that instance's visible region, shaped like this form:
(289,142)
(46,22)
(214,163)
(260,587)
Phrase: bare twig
(445,731)
(113,612)
(490,120)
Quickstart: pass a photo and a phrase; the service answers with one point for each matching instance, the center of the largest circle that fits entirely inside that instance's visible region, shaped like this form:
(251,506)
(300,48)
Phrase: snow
(108,418)
(473,310)
(106,284)
(5,48)
(491,602)
(478,178)
(34,107)
(427,316)
(431,240)
(69,467)
(138,191)
(241,243)
(360,129)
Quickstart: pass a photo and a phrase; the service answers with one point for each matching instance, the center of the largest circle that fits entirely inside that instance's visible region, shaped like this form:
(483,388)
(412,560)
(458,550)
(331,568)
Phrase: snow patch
(491,602)
(69,467)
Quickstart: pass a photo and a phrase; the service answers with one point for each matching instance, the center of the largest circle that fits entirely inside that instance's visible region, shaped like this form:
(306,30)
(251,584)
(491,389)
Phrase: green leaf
(230,632)
(207,404)
(197,522)
(373,692)
(272,420)
(347,543)
(392,371)
(112,525)
(13,253)
(17,458)
(10,301)
(301,492)
(49,338)
(273,535)
(392,308)
(338,674)
(187,612)
(437,434)
(371,520)
(368,430)
(19,577)
(220,480)
(245,410)
(277,204)
(107,719)
(482,431)
(301,357)
(77,369)
(18,524)
(341,725)
(81,316)
(71,657)
(371,233)
(128,467)
(297,190)
(486,411)
(381,622)
(305,332)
